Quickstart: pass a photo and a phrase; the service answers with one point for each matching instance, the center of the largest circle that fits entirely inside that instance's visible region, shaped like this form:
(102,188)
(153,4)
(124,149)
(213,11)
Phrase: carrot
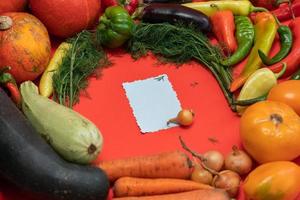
(214,194)
(129,186)
(174,164)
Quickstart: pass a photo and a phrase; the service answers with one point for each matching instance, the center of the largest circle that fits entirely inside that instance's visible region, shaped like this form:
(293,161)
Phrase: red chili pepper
(131,6)
(293,59)
(9,83)
(224,29)
(269,4)
(14,93)
(286,11)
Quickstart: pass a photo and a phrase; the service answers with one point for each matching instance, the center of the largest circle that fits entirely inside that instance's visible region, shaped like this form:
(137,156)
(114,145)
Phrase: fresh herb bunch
(81,61)
(179,44)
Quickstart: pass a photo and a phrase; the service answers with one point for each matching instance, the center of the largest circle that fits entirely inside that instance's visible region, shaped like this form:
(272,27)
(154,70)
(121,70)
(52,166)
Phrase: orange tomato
(273,181)
(270,131)
(287,92)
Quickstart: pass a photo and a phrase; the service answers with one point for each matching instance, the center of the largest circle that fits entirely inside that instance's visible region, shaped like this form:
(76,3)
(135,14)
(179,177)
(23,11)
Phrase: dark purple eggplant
(31,164)
(167,1)
(175,13)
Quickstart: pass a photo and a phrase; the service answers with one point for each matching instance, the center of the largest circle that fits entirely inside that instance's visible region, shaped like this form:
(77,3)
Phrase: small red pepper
(293,59)
(108,3)
(224,30)
(131,6)
(269,4)
(286,11)
(8,82)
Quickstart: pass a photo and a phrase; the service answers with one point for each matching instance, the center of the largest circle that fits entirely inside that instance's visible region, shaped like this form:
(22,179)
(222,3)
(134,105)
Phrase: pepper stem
(279,74)
(5,23)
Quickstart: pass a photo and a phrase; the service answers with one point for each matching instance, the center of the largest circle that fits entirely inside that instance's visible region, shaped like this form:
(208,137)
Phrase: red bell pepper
(223,27)
(293,59)
(286,11)
(269,4)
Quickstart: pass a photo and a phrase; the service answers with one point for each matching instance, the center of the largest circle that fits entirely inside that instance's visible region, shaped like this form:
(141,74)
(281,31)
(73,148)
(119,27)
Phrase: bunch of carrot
(159,177)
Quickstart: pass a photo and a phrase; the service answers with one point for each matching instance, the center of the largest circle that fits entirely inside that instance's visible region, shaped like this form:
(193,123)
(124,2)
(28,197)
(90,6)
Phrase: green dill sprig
(179,44)
(81,61)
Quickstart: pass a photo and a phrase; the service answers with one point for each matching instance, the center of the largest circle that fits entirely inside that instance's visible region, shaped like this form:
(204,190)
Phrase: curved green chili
(286,41)
(245,37)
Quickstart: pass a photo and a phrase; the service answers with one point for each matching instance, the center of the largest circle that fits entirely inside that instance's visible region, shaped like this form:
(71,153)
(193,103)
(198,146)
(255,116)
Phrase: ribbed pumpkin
(12,5)
(24,45)
(65,18)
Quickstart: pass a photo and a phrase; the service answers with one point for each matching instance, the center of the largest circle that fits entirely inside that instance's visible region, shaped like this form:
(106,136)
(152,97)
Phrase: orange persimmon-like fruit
(24,45)
(287,92)
(275,181)
(270,131)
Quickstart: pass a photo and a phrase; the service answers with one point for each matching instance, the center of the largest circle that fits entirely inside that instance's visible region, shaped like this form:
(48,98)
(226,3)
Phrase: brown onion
(201,175)
(229,181)
(213,159)
(239,161)
(184,118)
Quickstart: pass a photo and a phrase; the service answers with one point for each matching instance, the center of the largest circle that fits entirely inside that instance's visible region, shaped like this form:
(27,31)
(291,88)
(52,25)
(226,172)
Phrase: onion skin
(201,175)
(185,117)
(213,159)
(228,180)
(238,161)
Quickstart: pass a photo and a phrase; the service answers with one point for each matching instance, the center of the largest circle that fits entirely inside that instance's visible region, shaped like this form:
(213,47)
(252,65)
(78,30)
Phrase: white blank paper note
(153,102)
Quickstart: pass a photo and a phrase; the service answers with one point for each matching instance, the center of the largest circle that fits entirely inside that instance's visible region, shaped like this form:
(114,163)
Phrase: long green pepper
(245,37)
(286,42)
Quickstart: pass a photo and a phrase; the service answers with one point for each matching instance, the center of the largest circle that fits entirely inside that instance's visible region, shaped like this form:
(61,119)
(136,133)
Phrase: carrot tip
(237,83)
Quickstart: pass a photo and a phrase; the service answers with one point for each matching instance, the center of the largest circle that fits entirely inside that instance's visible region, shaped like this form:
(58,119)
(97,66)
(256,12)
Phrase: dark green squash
(30,163)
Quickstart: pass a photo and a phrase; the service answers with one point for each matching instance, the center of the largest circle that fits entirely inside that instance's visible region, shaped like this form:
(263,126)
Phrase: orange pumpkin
(12,5)
(270,131)
(24,45)
(275,181)
(65,18)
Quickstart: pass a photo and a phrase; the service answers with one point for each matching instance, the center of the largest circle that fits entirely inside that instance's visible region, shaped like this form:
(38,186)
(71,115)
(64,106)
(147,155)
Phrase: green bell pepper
(115,27)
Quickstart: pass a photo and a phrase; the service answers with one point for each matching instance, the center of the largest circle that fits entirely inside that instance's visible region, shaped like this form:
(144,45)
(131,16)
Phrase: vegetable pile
(49,149)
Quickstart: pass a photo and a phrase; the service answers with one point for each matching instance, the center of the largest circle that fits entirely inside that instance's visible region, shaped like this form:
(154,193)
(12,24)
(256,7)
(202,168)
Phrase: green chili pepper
(265,30)
(286,41)
(245,37)
(115,27)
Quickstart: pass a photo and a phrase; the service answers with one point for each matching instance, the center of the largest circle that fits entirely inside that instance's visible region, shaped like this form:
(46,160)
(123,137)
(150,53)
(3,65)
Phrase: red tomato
(287,92)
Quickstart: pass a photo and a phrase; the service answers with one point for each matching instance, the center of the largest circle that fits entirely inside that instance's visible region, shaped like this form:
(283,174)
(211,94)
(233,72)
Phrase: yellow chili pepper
(258,84)
(265,29)
(240,7)
(45,86)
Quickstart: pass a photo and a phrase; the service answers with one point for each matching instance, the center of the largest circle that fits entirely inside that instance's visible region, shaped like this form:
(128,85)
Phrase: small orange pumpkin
(270,131)
(24,45)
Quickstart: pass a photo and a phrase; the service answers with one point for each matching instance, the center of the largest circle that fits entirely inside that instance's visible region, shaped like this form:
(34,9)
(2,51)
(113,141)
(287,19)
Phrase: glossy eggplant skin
(175,13)
(30,163)
(167,1)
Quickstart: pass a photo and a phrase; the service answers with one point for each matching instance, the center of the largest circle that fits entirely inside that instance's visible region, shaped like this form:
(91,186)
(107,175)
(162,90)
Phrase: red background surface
(106,105)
